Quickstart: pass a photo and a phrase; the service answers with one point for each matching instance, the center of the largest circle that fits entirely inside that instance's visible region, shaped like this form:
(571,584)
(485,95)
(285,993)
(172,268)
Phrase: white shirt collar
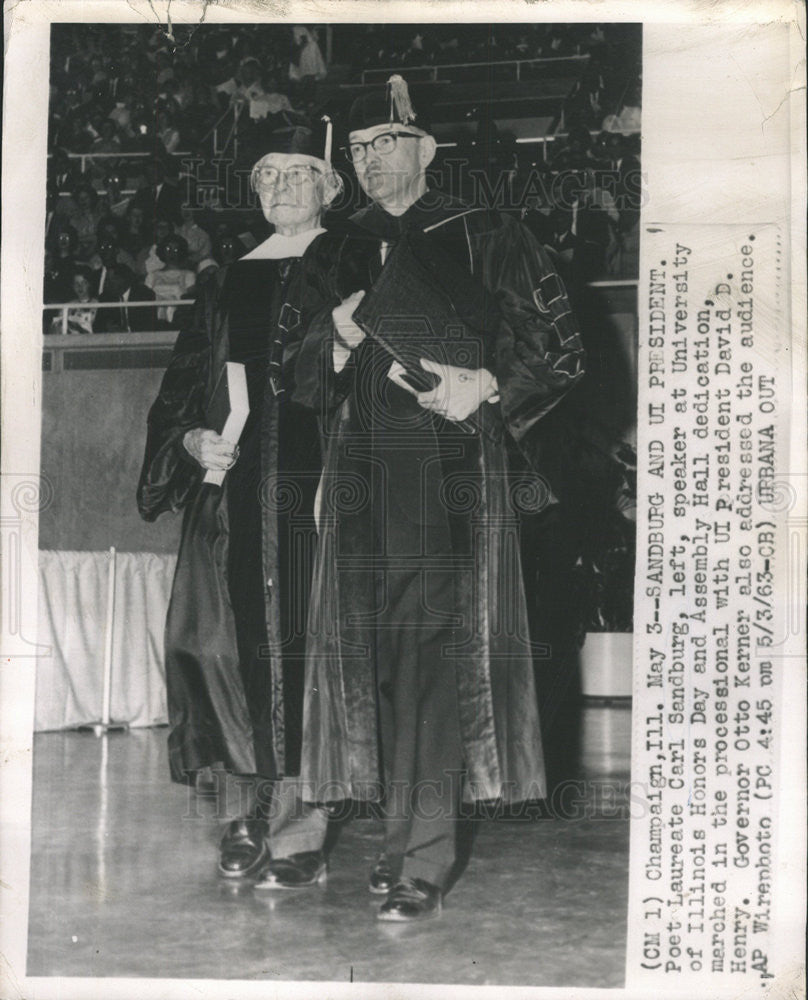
(278,247)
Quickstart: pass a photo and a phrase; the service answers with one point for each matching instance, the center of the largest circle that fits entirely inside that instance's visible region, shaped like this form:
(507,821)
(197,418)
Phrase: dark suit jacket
(165,204)
(124,319)
(64,181)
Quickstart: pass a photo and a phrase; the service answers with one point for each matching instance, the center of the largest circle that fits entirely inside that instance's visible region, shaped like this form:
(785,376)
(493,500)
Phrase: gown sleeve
(539,353)
(169,475)
(317,385)
(540,359)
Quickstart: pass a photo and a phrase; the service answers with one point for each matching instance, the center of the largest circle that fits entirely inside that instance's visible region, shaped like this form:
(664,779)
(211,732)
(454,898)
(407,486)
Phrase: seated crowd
(122,229)
(609,84)
(130,88)
(592,228)
(148,247)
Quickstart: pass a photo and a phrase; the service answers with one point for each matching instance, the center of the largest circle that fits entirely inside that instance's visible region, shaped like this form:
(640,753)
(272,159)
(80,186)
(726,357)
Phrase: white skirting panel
(72,616)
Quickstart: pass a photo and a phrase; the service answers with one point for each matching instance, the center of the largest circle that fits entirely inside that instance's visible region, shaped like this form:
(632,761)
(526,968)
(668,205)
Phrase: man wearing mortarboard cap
(235,626)
(453,336)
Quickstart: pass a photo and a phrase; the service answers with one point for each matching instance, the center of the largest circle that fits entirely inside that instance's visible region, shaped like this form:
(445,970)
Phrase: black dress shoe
(381,879)
(243,850)
(411,899)
(298,871)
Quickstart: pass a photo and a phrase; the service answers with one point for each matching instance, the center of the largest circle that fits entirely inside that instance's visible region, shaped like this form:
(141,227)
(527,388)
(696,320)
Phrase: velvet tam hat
(389,106)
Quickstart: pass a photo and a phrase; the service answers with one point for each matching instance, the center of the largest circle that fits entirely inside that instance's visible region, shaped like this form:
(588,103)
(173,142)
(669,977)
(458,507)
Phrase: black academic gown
(236,619)
(418,617)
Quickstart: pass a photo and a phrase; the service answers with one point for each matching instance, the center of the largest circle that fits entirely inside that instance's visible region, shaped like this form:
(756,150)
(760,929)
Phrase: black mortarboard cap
(388,106)
(309,139)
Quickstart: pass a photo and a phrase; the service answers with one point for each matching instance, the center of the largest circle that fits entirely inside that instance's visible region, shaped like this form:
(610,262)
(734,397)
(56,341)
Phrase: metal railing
(435,69)
(84,157)
(233,110)
(541,140)
(64,308)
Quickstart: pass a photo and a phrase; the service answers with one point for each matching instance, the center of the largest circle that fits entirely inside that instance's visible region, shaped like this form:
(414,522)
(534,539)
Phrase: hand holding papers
(216,447)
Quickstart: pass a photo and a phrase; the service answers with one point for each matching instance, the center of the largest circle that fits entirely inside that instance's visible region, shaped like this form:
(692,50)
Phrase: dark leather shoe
(411,899)
(243,850)
(381,879)
(298,871)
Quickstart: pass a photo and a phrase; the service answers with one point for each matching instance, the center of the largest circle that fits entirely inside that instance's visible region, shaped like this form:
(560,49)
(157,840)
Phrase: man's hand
(210,449)
(460,392)
(348,334)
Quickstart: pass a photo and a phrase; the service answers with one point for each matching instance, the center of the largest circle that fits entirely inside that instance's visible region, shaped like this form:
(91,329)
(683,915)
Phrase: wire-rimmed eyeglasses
(383,144)
(295,176)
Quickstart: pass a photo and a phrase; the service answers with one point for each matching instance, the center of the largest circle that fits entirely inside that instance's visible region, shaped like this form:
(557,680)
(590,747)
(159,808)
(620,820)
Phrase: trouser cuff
(307,834)
(435,874)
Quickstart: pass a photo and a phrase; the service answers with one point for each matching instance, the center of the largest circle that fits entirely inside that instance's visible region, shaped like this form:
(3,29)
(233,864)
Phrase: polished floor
(123,880)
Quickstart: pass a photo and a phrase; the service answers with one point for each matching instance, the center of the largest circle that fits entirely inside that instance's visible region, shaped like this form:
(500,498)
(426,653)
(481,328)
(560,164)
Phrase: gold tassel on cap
(400,104)
(329,129)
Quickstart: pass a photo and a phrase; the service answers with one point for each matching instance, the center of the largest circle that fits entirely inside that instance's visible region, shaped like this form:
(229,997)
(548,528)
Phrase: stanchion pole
(108,633)
(106,725)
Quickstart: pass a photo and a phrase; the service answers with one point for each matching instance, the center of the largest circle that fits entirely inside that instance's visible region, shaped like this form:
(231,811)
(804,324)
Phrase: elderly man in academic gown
(453,335)
(236,621)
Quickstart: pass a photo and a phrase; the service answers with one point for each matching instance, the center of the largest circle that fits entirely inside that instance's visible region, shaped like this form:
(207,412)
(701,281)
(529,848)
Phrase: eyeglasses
(294,176)
(383,144)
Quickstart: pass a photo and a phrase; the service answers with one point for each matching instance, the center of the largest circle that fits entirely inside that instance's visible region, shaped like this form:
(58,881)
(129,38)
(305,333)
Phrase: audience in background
(55,215)
(84,213)
(227,247)
(63,174)
(136,233)
(114,202)
(306,63)
(167,130)
(149,259)
(108,141)
(61,258)
(80,319)
(122,285)
(124,88)
(196,238)
(573,153)
(172,279)
(109,256)
(161,197)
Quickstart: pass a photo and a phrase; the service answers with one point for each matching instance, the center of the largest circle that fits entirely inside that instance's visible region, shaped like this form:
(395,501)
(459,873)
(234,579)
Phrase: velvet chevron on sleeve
(540,355)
